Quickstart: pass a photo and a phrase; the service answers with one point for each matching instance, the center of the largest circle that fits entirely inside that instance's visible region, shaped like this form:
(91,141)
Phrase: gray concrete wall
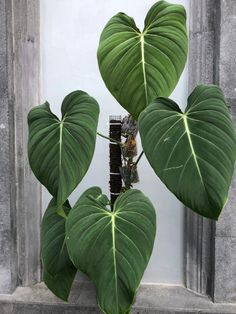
(8,257)
(19,191)
(211,247)
(203,58)
(225,240)
(26,69)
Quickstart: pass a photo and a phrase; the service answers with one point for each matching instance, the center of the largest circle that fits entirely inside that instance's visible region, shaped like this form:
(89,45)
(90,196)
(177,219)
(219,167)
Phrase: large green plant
(192,152)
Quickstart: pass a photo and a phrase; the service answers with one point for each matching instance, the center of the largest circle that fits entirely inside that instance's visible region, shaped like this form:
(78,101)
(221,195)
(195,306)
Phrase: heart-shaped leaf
(58,270)
(60,151)
(139,66)
(194,152)
(112,248)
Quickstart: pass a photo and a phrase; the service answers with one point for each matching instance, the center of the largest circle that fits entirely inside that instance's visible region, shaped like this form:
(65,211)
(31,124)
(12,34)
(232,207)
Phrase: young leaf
(60,151)
(58,270)
(112,248)
(194,152)
(139,66)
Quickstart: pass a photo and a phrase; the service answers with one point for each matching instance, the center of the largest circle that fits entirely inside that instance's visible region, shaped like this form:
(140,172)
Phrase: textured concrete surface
(19,192)
(150,299)
(211,247)
(225,240)
(227,48)
(8,259)
(27,94)
(225,269)
(203,41)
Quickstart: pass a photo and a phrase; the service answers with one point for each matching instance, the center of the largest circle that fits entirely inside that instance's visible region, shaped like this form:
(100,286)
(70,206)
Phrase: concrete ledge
(158,299)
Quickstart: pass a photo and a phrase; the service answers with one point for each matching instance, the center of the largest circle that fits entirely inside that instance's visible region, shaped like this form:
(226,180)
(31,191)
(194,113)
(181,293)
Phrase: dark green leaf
(60,151)
(112,248)
(194,152)
(139,66)
(58,270)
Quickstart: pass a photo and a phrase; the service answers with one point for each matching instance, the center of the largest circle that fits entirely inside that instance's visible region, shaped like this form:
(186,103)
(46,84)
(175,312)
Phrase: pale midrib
(114,255)
(143,66)
(60,209)
(60,145)
(60,141)
(191,146)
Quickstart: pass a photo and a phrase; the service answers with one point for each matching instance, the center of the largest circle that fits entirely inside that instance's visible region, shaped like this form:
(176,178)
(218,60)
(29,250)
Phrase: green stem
(139,157)
(109,138)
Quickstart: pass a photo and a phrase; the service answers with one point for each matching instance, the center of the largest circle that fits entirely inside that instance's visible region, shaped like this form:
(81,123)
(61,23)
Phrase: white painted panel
(70,31)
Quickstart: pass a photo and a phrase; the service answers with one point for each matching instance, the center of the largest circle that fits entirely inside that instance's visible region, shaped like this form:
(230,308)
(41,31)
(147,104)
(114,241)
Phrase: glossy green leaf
(58,270)
(194,152)
(112,248)
(139,66)
(60,151)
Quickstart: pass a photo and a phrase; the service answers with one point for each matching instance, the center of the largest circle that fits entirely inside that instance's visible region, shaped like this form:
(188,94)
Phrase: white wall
(70,31)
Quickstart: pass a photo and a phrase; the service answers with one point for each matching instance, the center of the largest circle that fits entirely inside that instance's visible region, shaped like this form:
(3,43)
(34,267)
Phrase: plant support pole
(115,157)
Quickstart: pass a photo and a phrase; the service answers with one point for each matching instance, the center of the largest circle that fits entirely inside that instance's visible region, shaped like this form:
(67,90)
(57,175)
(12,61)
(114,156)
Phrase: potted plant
(192,152)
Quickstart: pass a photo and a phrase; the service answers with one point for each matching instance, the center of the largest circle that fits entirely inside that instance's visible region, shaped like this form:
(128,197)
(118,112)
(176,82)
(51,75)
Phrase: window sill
(158,299)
